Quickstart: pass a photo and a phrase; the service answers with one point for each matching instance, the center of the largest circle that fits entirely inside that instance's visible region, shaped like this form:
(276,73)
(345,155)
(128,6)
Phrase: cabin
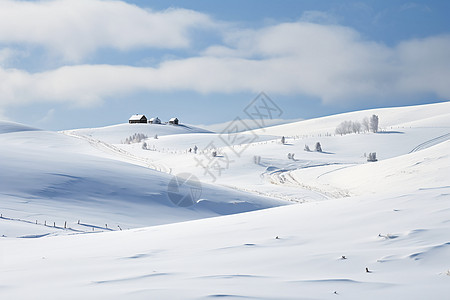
(154,121)
(137,119)
(173,121)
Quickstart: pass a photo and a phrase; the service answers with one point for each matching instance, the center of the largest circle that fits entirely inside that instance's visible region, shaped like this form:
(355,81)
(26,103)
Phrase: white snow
(51,177)
(241,240)
(117,133)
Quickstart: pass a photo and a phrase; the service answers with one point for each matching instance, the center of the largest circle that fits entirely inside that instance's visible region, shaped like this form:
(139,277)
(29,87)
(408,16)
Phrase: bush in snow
(291,156)
(144,145)
(372,156)
(156,136)
(318,147)
(283,140)
(214,153)
(307,148)
(257,159)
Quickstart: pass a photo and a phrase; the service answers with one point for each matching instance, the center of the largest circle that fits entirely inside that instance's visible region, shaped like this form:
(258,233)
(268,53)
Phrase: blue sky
(87,63)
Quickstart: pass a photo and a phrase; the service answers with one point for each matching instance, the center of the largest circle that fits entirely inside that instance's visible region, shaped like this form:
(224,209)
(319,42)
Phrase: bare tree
(356,127)
(365,124)
(347,127)
(344,128)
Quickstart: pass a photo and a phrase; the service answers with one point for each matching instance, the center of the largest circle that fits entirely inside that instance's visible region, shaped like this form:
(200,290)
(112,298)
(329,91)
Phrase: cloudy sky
(84,63)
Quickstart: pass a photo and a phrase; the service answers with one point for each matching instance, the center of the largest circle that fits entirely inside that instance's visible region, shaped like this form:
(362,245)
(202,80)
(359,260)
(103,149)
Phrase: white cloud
(47,117)
(5,55)
(330,62)
(73,29)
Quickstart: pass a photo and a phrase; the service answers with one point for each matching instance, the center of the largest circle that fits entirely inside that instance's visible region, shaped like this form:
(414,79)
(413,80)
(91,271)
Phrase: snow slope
(49,177)
(417,171)
(273,175)
(391,216)
(403,241)
(115,134)
(389,118)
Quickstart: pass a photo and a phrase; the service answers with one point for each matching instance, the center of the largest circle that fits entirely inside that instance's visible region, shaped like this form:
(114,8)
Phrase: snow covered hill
(116,134)
(48,177)
(429,115)
(414,171)
(309,251)
(356,229)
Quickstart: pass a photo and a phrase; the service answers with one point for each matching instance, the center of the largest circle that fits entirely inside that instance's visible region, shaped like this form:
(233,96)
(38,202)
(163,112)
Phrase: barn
(173,121)
(154,121)
(137,119)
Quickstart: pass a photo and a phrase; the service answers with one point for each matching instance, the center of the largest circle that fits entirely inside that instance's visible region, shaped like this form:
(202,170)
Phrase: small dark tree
(283,140)
(307,148)
(318,147)
(374,123)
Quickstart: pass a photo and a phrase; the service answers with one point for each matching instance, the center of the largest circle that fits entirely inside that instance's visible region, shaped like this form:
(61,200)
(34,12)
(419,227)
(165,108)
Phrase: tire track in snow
(284,177)
(431,142)
(108,148)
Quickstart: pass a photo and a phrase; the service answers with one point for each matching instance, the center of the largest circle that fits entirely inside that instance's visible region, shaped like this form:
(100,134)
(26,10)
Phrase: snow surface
(241,240)
(116,134)
(49,177)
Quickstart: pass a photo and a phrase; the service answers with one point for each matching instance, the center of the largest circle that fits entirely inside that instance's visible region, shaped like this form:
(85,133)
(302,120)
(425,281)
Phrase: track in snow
(108,148)
(284,177)
(431,142)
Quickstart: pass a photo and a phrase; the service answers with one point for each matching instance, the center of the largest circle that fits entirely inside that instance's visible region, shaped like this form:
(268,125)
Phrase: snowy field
(86,214)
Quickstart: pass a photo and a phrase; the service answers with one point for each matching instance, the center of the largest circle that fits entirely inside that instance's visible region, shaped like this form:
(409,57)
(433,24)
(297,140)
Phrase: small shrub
(318,147)
(372,156)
